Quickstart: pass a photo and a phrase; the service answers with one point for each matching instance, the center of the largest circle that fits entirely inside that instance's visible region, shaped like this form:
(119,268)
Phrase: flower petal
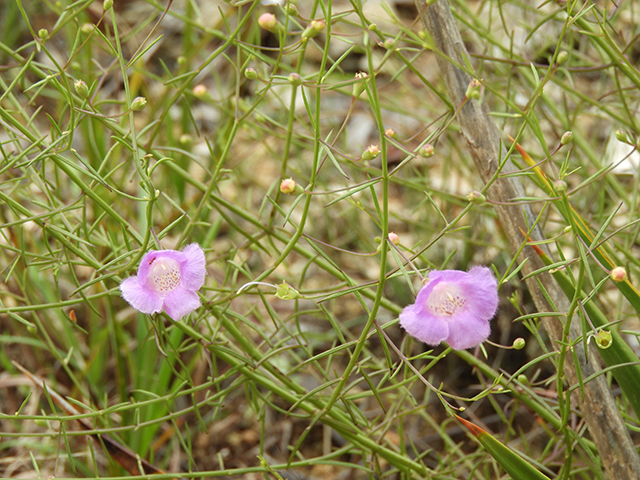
(152,256)
(180,302)
(194,269)
(481,289)
(424,326)
(467,330)
(140,296)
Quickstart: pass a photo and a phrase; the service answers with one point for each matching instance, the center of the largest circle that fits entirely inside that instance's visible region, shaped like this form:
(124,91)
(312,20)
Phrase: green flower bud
(389,43)
(250,73)
(43,34)
(519,343)
(286,292)
(391,133)
(138,104)
(567,137)
(359,87)
(371,152)
(473,90)
(107,5)
(87,28)
(295,79)
(314,28)
(522,378)
(562,57)
(426,151)
(476,197)
(621,136)
(292,10)
(560,186)
(185,140)
(81,89)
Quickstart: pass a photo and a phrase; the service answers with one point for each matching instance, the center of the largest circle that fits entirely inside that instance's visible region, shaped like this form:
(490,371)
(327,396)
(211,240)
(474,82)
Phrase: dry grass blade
(131,462)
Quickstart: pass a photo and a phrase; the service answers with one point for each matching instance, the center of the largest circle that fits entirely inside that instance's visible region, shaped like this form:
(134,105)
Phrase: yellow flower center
(445,299)
(164,275)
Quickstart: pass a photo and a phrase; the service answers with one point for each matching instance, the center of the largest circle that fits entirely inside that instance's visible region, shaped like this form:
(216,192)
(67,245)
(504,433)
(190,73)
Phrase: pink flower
(167,280)
(453,307)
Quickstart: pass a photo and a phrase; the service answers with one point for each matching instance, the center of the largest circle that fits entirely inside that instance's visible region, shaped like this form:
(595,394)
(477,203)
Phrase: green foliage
(151,125)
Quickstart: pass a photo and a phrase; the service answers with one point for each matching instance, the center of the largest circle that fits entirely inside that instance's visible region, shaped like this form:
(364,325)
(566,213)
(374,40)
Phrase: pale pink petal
(140,297)
(154,255)
(467,331)
(427,328)
(194,268)
(180,302)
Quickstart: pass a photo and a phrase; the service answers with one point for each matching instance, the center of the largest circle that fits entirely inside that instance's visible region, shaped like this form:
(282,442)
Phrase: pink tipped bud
(519,343)
(476,197)
(314,28)
(199,91)
(473,90)
(618,274)
(371,152)
(268,21)
(391,133)
(250,73)
(394,238)
(81,89)
(426,151)
(295,79)
(290,187)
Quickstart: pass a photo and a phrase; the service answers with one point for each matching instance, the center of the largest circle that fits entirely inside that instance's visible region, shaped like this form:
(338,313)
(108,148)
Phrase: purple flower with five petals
(453,307)
(167,280)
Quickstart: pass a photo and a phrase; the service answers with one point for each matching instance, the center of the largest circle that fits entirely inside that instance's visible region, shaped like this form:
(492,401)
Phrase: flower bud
(107,5)
(371,152)
(199,91)
(295,79)
(182,60)
(560,186)
(476,197)
(618,274)
(567,137)
(286,292)
(621,136)
(250,73)
(291,10)
(567,229)
(87,28)
(522,378)
(359,87)
(290,187)
(43,34)
(426,151)
(81,89)
(389,43)
(372,27)
(473,90)
(314,28)
(519,343)
(394,238)
(562,57)
(391,133)
(268,22)
(185,140)
(604,339)
(138,104)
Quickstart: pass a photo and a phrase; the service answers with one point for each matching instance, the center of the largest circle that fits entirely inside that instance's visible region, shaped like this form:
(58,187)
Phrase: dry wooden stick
(605,424)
